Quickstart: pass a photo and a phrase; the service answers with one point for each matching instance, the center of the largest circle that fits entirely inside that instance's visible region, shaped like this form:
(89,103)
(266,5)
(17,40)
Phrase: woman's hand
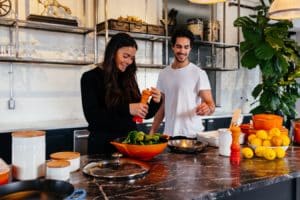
(138,109)
(156,94)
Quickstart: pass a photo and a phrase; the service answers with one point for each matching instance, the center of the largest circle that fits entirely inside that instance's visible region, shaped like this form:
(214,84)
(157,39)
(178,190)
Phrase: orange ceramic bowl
(140,152)
(267,121)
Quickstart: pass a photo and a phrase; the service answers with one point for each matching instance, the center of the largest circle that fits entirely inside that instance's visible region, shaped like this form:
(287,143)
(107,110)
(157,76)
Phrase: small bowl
(140,152)
(186,145)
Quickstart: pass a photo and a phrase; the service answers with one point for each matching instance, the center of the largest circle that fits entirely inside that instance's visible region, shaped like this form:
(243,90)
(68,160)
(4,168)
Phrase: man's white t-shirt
(181,88)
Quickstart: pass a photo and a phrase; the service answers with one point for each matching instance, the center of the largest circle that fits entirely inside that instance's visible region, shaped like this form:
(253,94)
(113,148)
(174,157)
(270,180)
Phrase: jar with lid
(28,154)
(195,25)
(72,157)
(58,170)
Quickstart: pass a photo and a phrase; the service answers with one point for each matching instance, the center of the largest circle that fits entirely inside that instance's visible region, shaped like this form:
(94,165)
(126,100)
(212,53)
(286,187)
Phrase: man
(186,91)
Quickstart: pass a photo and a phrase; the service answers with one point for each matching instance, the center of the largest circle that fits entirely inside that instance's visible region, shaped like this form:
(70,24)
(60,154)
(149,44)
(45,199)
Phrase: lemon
(285,140)
(247,152)
(269,154)
(262,134)
(259,151)
(280,152)
(274,132)
(256,142)
(251,137)
(266,143)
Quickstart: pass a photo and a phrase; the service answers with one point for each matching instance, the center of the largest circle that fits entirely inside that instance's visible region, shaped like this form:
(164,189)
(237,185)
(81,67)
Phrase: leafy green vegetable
(141,138)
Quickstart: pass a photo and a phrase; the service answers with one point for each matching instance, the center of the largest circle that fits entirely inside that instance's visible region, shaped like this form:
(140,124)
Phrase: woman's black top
(105,124)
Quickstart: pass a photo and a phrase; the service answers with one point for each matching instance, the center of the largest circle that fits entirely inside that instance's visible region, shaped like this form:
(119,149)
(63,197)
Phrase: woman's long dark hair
(121,87)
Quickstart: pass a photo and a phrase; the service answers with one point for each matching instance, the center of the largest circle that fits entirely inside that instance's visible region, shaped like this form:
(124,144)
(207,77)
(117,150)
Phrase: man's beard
(181,60)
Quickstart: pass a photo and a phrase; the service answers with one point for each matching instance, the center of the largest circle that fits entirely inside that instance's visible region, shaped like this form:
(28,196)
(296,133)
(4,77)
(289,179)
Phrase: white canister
(225,140)
(58,170)
(28,154)
(72,157)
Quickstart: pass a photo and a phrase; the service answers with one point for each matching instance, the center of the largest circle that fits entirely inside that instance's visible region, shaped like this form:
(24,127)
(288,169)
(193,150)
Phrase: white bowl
(272,147)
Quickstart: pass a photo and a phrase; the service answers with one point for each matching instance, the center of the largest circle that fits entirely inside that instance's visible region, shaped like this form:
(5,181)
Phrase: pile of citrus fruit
(267,144)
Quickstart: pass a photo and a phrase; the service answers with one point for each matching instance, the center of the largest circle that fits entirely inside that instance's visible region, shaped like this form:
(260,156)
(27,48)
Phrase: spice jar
(58,169)
(195,25)
(28,154)
(72,157)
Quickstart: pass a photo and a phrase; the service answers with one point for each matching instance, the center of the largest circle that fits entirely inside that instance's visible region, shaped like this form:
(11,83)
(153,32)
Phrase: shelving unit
(15,25)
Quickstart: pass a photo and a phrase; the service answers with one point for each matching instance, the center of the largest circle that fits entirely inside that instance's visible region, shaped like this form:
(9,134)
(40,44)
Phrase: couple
(110,94)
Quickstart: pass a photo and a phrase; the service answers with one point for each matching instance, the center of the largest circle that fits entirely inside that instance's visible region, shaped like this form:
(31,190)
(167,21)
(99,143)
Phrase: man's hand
(203,109)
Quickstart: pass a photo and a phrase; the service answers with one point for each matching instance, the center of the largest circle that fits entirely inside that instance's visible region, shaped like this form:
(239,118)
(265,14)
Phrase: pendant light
(284,9)
(206,1)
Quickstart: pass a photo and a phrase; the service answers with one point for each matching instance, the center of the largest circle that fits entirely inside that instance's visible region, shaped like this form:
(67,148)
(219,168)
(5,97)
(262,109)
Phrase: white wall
(47,92)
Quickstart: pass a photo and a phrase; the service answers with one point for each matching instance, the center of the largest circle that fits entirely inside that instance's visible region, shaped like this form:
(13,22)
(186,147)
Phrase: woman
(110,95)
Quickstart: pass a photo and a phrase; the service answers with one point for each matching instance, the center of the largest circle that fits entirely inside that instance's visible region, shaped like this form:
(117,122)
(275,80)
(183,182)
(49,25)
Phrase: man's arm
(159,116)
(207,106)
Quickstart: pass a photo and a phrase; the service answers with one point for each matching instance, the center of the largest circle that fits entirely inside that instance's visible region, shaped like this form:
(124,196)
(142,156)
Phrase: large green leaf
(264,51)
(249,60)
(244,22)
(257,90)
(246,46)
(267,68)
(252,35)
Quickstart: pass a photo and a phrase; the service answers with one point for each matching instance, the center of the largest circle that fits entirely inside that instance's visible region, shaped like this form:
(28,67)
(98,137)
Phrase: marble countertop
(205,175)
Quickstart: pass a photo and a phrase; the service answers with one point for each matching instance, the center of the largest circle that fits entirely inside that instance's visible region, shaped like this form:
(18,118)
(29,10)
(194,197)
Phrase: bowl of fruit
(267,144)
(140,145)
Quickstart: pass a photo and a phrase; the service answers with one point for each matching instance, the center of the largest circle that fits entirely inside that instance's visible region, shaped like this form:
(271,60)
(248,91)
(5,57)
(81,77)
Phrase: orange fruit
(276,141)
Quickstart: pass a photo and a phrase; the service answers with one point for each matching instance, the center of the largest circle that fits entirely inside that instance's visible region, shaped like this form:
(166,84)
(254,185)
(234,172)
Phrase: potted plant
(267,45)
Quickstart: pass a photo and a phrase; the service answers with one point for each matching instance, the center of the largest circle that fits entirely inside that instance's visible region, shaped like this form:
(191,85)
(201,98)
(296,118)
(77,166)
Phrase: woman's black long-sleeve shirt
(105,124)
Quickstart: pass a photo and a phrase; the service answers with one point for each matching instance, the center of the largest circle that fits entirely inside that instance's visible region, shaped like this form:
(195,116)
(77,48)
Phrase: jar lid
(65,155)
(25,134)
(58,163)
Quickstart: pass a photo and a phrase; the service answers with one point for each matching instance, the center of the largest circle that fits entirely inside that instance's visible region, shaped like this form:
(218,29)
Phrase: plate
(123,168)
(186,145)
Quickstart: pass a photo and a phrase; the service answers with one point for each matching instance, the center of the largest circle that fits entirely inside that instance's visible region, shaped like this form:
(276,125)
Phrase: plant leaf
(264,51)
(257,90)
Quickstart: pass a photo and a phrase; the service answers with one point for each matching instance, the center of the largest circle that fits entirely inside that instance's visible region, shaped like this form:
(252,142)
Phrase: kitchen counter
(75,123)
(205,175)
